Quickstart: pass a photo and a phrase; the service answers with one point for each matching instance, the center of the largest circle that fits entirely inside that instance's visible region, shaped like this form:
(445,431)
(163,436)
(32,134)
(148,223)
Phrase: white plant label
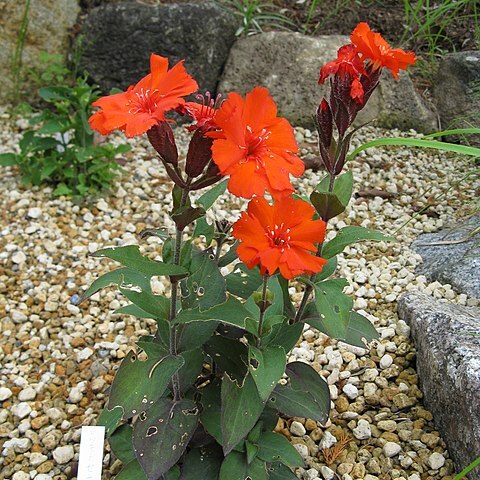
(91,453)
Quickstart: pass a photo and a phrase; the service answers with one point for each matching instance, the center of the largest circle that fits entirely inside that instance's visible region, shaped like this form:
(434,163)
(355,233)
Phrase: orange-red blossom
(281,236)
(255,147)
(144,105)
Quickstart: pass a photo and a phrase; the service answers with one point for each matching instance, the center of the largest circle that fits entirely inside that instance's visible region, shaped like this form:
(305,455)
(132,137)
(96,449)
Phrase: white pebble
(21,410)
(327,473)
(390,449)
(34,212)
(328,440)
(63,454)
(296,428)
(5,393)
(362,430)
(27,394)
(351,391)
(386,361)
(436,461)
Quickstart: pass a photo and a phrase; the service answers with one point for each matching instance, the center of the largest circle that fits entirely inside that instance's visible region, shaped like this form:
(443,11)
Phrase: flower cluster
(356,72)
(242,138)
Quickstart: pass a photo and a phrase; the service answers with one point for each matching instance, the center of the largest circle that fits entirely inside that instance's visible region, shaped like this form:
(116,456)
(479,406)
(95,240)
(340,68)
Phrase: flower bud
(199,154)
(324,123)
(162,140)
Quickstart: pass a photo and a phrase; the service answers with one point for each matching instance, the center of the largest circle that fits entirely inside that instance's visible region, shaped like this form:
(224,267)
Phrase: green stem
(468,469)
(173,301)
(309,288)
(263,308)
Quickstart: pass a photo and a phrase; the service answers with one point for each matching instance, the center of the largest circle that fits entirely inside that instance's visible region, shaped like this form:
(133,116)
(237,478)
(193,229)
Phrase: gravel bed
(57,360)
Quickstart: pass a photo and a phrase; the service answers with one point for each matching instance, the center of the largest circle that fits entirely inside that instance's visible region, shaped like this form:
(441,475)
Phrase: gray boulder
(49,25)
(288,64)
(452,256)
(447,340)
(121,37)
(457,92)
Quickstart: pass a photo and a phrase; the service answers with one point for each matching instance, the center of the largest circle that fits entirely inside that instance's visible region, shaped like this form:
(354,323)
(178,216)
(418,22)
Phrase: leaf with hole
(230,356)
(278,471)
(130,256)
(110,419)
(205,287)
(195,334)
(353,234)
(161,434)
(241,408)
(285,335)
(243,281)
(142,378)
(189,372)
(266,367)
(274,447)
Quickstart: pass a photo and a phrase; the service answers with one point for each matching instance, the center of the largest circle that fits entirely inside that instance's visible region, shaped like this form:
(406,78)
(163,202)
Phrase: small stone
(390,449)
(63,454)
(55,414)
(27,394)
(37,458)
(21,476)
(5,393)
(327,441)
(43,476)
(351,391)
(327,473)
(302,450)
(34,212)
(387,425)
(386,361)
(436,461)
(310,474)
(362,431)
(21,410)
(19,257)
(84,354)
(39,422)
(296,428)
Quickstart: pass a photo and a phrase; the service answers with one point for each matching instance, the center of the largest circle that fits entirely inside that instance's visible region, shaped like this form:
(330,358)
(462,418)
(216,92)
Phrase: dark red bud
(162,140)
(324,123)
(199,154)
(369,83)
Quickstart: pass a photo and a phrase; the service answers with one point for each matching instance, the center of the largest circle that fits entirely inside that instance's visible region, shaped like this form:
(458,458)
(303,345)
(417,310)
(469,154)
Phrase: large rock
(121,37)
(448,364)
(457,92)
(452,256)
(49,25)
(288,64)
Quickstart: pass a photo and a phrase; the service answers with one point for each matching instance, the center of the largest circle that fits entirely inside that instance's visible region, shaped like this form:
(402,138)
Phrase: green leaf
(236,467)
(241,408)
(172,474)
(156,305)
(244,282)
(186,215)
(210,196)
(328,270)
(211,411)
(195,334)
(161,435)
(412,142)
(327,204)
(121,443)
(348,235)
(230,256)
(155,232)
(343,187)
(232,312)
(202,463)
(55,93)
(276,448)
(359,328)
(202,227)
(54,126)
(334,307)
(266,367)
(193,364)
(8,159)
(288,307)
(307,391)
(133,310)
(205,287)
(284,335)
(277,471)
(142,378)
(251,450)
(130,256)
(62,189)
(132,471)
(110,419)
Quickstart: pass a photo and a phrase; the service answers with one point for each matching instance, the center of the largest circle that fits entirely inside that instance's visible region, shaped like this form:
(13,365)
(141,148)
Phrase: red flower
(280,236)
(144,105)
(203,113)
(255,147)
(349,66)
(373,47)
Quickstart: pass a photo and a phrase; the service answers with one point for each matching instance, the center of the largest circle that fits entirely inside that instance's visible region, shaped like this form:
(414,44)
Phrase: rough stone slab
(288,64)
(448,365)
(448,262)
(456,90)
(119,39)
(49,25)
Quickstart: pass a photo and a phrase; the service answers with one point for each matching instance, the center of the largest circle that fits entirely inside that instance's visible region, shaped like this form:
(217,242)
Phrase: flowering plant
(200,398)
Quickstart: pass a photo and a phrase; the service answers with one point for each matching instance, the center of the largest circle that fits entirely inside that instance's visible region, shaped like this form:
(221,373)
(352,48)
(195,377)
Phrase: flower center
(255,146)
(279,236)
(143,101)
